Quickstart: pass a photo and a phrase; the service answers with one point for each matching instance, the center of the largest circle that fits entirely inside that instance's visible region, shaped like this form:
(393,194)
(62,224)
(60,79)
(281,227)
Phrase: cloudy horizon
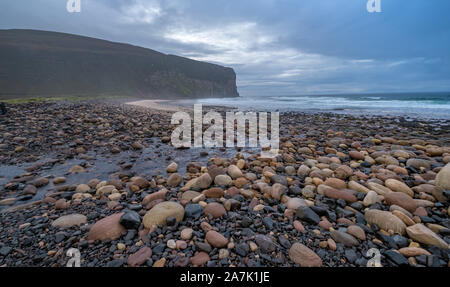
(276,47)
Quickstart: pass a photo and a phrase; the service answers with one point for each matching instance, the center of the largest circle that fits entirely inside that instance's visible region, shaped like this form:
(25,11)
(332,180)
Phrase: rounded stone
(399,186)
(234,171)
(401,199)
(223,180)
(186,234)
(385,220)
(160,212)
(215,209)
(216,239)
(174,180)
(443,177)
(304,256)
(70,220)
(107,228)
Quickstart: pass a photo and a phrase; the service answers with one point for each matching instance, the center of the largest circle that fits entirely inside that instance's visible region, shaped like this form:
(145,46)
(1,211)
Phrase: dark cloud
(276,47)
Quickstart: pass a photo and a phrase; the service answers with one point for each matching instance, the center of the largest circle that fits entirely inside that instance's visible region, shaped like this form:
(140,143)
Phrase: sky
(276,47)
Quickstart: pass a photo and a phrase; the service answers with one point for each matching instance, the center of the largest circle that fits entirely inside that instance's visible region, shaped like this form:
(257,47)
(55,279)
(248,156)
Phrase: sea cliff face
(40,63)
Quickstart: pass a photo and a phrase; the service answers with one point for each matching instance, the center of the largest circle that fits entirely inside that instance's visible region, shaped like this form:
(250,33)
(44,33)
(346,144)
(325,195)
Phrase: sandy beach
(160,105)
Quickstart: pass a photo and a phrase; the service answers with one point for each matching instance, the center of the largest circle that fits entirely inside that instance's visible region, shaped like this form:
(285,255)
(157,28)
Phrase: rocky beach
(104,178)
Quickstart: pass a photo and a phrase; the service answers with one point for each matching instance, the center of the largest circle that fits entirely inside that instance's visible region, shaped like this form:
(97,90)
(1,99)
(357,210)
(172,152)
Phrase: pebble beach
(104,178)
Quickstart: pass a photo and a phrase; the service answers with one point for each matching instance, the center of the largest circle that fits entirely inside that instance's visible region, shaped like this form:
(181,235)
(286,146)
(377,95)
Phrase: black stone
(284,242)
(5,250)
(246,221)
(60,236)
(265,244)
(115,263)
(242,249)
(400,241)
(351,256)
(307,214)
(159,248)
(193,211)
(203,246)
(268,223)
(171,221)
(397,258)
(130,220)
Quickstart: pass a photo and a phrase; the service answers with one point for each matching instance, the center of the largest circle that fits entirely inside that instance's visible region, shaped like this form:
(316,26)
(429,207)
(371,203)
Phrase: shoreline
(188,104)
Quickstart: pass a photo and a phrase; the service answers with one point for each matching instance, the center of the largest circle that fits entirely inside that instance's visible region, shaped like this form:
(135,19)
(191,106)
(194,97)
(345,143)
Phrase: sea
(413,105)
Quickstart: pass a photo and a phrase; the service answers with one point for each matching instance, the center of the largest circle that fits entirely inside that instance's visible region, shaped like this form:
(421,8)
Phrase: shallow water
(150,161)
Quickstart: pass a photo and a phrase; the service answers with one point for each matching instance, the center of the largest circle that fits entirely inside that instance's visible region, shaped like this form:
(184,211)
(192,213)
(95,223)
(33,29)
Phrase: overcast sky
(277,47)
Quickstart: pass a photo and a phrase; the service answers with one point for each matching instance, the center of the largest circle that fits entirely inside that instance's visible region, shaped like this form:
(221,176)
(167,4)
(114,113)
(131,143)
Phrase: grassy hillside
(40,63)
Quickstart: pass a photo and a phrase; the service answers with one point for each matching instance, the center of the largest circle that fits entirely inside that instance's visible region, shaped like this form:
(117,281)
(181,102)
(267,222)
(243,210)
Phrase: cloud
(141,12)
(275,47)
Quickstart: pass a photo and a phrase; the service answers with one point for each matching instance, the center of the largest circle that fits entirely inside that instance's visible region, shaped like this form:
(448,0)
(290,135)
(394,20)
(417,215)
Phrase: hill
(41,63)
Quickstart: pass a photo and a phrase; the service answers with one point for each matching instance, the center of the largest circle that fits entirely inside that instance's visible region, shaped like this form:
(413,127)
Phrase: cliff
(41,63)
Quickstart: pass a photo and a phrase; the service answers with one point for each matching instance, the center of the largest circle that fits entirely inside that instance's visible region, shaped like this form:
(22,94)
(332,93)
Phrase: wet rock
(234,171)
(203,182)
(61,204)
(174,180)
(40,182)
(172,167)
(30,189)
